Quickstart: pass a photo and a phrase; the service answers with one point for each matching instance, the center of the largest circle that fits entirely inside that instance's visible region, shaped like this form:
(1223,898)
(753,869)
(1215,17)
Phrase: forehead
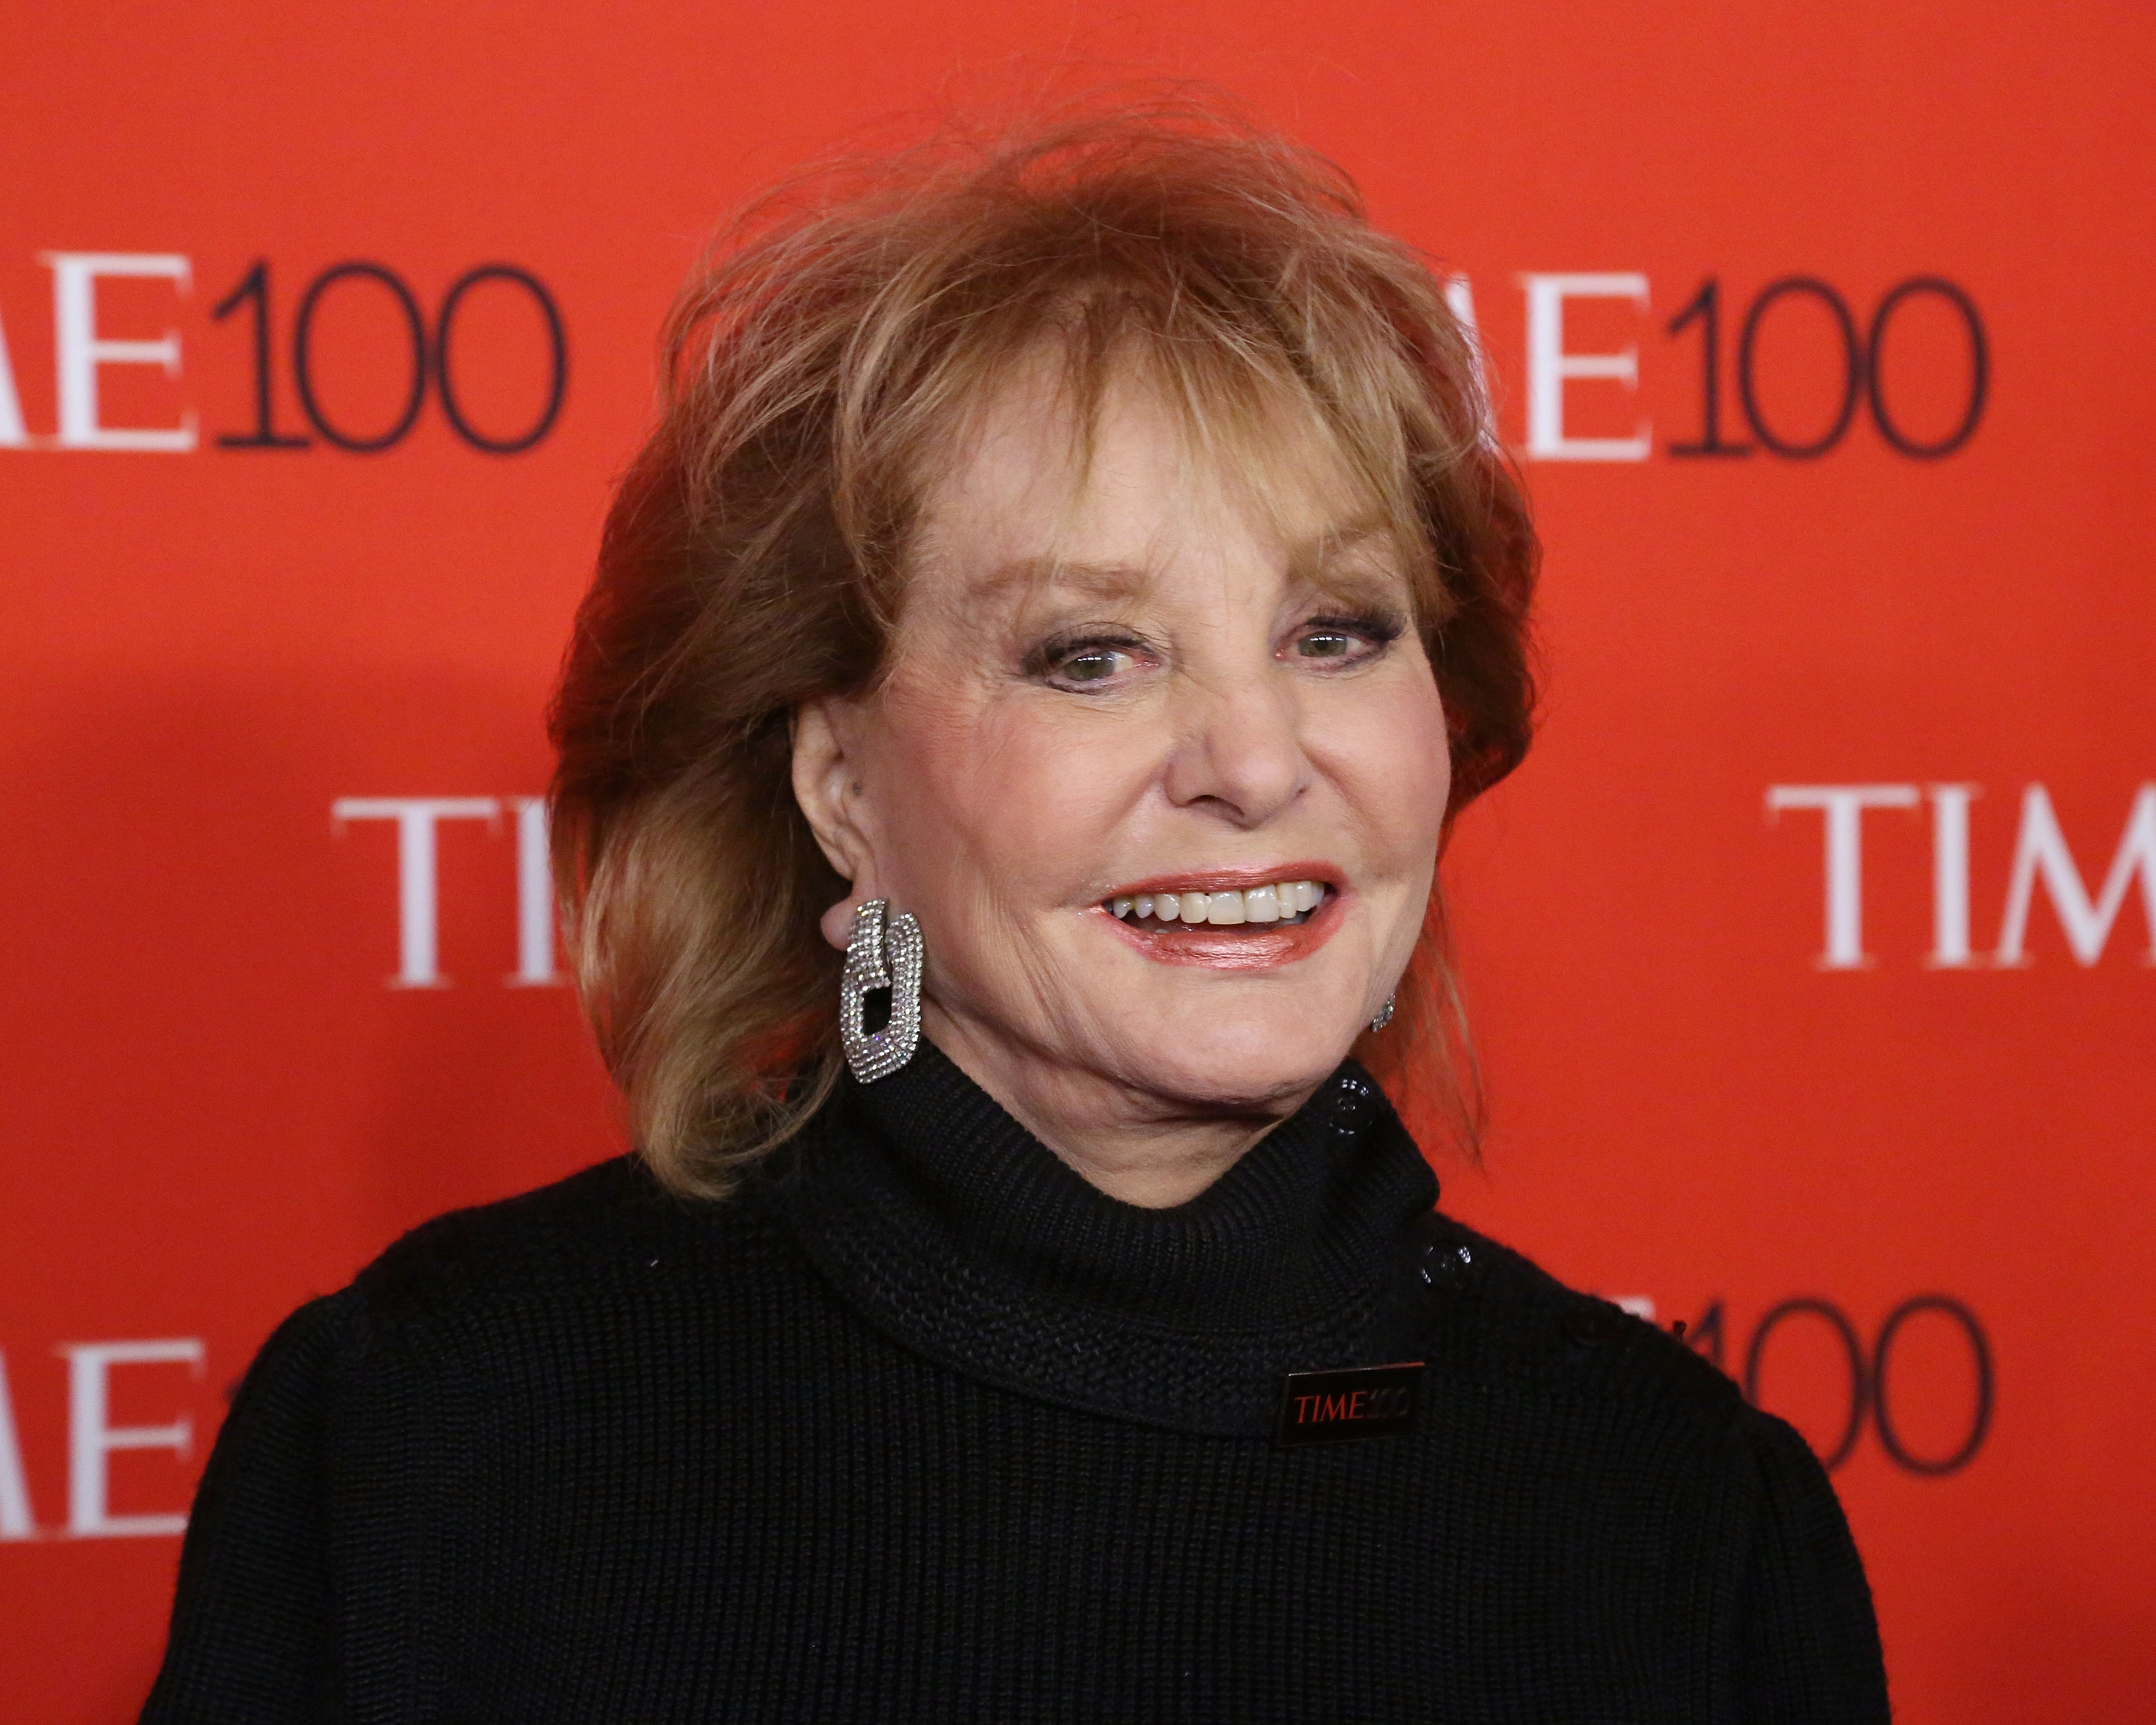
(1107,495)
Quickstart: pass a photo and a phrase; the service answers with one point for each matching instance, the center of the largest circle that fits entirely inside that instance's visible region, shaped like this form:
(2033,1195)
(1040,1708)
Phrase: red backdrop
(1809,953)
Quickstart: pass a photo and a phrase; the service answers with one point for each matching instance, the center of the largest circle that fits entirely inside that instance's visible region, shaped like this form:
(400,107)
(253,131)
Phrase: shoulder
(524,1298)
(1736,1494)
(558,1245)
(1513,1323)
(1633,1393)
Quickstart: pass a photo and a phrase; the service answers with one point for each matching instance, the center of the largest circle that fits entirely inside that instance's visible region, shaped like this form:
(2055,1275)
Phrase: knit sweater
(919,1425)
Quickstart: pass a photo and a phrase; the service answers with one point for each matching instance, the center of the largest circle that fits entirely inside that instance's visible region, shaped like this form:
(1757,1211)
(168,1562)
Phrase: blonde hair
(834,341)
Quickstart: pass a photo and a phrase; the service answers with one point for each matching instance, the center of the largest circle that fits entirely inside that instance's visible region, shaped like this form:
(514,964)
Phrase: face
(1119,704)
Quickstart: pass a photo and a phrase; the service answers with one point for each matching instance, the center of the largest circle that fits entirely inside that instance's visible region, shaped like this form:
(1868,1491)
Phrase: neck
(1145,1149)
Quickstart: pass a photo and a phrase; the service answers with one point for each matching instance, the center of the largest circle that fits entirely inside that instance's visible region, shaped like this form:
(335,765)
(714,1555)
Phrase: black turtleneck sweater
(920,1426)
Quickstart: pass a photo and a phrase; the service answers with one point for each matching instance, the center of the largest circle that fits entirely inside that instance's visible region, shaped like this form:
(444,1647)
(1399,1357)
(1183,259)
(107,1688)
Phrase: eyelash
(1379,631)
(1051,657)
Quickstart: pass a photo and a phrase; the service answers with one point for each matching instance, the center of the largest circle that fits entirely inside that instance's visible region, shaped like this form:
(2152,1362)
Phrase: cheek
(1395,758)
(996,802)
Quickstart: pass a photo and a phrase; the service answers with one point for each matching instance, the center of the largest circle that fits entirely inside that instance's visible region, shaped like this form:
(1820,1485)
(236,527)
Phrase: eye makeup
(1071,660)
(1372,632)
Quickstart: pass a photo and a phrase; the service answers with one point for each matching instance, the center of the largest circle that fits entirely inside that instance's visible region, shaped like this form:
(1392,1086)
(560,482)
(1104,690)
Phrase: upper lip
(1231,879)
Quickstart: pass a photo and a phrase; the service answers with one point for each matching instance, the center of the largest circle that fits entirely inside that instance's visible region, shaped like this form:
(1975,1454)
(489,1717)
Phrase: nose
(1237,748)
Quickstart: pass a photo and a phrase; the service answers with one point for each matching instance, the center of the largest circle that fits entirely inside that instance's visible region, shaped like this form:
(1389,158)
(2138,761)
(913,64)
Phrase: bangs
(1233,278)
(1232,433)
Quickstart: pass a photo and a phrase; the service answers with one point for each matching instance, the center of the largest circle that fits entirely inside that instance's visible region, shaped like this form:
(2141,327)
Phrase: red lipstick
(1248,946)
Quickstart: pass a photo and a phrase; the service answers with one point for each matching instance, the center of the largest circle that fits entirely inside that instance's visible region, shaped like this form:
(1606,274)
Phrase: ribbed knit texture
(919,1425)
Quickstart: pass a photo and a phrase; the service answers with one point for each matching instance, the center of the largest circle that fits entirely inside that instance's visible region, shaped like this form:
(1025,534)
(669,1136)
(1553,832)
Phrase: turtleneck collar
(961,1235)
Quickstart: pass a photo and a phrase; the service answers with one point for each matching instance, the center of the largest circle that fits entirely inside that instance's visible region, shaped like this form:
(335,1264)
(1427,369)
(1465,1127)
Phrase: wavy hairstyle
(829,349)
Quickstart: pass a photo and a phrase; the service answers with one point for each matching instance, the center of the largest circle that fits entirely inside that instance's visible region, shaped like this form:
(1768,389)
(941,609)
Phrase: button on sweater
(918,1425)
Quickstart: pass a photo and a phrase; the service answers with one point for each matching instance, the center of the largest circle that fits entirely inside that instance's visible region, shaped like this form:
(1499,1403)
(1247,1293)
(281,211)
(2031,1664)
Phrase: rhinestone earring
(1385,1012)
(881,953)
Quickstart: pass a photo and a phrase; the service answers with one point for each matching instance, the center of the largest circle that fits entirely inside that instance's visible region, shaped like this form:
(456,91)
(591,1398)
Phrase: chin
(1236,1074)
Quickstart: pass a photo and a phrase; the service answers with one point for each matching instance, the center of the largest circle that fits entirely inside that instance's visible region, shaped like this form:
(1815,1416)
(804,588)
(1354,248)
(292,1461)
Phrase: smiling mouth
(1285,904)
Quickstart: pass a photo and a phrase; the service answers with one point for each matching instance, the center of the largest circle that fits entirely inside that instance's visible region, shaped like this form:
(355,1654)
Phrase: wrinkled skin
(1145,669)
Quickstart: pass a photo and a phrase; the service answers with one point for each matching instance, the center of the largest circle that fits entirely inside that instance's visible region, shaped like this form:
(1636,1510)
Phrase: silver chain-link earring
(1385,1012)
(880,954)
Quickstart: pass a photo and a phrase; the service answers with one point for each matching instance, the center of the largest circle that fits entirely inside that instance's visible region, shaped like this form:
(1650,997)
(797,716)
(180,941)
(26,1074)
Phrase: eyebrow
(1096,581)
(1311,564)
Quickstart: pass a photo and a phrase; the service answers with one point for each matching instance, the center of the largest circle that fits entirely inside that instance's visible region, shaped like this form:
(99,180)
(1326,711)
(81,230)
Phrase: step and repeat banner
(1810,955)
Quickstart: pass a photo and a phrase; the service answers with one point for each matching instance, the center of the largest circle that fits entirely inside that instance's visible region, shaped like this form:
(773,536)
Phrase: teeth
(1283,901)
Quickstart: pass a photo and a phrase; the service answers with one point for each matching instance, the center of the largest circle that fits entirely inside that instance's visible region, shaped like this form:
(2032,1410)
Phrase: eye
(1088,663)
(1096,664)
(1343,640)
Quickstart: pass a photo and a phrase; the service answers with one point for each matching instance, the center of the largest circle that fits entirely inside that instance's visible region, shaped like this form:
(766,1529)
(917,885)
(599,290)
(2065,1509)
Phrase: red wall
(218,1106)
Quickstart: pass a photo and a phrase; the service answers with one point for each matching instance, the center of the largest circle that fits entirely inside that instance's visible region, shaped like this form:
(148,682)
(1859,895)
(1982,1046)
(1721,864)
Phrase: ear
(827,786)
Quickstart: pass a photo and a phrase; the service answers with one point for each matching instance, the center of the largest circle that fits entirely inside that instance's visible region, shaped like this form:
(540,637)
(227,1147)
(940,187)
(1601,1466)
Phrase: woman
(1079,586)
